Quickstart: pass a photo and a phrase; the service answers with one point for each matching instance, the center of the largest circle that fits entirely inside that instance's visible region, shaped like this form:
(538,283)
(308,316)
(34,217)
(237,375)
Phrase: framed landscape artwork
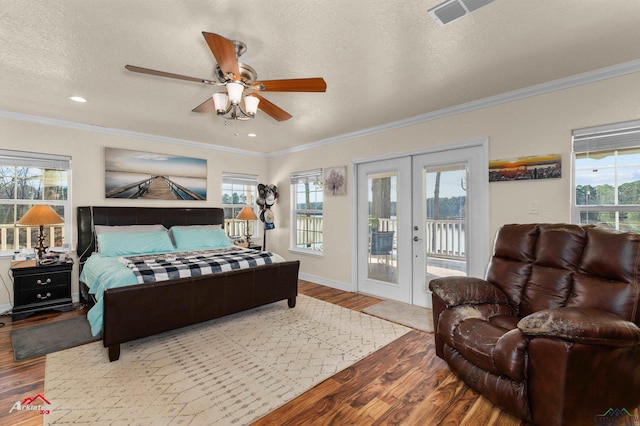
(526,168)
(145,175)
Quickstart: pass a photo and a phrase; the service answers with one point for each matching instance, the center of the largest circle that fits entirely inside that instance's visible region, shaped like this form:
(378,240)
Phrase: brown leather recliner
(551,335)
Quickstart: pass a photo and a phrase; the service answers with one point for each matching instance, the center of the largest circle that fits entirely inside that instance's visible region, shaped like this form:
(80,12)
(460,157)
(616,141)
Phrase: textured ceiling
(383,61)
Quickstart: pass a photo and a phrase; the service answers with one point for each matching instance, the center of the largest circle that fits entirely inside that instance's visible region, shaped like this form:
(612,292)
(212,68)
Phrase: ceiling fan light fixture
(251,105)
(238,77)
(234,90)
(220,101)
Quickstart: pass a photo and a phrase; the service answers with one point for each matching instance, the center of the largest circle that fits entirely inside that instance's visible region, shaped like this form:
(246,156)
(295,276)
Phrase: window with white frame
(607,176)
(238,191)
(306,190)
(26,179)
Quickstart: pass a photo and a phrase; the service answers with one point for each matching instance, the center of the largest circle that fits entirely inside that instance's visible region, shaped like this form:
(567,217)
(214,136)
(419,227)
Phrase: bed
(140,310)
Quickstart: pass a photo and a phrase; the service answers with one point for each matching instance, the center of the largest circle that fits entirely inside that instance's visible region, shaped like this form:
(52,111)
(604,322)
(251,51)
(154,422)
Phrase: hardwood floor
(26,378)
(403,383)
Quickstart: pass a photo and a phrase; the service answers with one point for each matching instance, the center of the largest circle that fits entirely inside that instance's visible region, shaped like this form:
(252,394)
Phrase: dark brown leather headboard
(93,215)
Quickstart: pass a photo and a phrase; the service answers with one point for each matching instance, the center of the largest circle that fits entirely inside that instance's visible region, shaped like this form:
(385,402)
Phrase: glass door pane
(382,257)
(384,229)
(445,222)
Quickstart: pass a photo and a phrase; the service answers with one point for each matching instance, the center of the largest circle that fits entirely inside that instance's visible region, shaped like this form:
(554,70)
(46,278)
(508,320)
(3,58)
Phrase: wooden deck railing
(235,227)
(443,238)
(309,232)
(20,239)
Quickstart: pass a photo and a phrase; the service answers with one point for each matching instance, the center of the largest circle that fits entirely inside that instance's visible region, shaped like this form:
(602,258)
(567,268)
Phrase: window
(607,176)
(238,191)
(27,179)
(306,188)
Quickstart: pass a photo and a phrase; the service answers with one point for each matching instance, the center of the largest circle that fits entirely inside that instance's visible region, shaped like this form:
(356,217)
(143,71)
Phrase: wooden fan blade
(292,85)
(225,53)
(206,106)
(272,109)
(167,74)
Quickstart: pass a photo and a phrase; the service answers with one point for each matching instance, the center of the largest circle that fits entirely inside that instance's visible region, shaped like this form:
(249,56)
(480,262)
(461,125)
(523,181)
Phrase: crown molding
(119,132)
(539,89)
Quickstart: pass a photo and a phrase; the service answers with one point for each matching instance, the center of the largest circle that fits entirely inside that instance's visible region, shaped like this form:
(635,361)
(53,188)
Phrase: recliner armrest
(583,325)
(456,291)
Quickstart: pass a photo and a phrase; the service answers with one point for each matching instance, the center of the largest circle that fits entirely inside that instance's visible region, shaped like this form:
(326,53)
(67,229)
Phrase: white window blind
(239,179)
(607,138)
(308,176)
(37,160)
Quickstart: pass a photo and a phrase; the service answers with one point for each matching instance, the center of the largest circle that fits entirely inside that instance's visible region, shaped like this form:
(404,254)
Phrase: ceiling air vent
(472,5)
(451,10)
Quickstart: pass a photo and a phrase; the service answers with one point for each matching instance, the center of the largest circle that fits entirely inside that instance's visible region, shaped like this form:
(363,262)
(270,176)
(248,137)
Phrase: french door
(384,239)
(420,217)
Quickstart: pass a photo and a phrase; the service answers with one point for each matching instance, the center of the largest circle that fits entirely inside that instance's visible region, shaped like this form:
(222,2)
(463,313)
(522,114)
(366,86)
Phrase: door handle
(416,238)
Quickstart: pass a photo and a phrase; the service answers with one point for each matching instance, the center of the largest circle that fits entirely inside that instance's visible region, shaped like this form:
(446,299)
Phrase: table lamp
(247,214)
(41,215)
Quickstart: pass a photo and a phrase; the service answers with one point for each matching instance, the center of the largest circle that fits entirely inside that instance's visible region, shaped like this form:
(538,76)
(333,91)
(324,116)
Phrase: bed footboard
(144,310)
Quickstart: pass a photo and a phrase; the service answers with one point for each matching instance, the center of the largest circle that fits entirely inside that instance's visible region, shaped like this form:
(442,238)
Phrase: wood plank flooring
(403,383)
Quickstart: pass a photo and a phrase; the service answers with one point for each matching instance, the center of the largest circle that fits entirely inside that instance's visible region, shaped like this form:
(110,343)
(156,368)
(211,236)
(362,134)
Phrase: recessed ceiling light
(252,135)
(77,99)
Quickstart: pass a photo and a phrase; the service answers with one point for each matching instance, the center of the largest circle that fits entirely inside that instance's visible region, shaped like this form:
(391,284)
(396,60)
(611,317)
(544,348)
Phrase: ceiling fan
(240,82)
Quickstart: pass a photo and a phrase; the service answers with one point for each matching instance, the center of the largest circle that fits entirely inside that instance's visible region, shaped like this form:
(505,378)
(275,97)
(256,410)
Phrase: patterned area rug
(228,371)
(402,313)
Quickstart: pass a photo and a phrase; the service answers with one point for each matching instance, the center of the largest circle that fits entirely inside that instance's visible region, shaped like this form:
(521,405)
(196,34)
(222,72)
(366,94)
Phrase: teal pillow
(131,243)
(199,238)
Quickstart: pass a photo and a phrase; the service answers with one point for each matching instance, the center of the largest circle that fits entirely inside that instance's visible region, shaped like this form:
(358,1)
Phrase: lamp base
(247,236)
(41,249)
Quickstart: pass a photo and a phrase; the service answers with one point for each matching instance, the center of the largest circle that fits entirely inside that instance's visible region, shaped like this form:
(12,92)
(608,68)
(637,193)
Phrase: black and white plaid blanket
(168,266)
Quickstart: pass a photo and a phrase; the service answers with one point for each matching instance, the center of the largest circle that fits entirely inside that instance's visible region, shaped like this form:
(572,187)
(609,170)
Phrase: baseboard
(324,281)
(5,307)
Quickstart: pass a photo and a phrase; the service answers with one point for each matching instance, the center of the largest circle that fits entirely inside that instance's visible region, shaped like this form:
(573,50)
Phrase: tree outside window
(22,186)
(238,191)
(307,190)
(607,183)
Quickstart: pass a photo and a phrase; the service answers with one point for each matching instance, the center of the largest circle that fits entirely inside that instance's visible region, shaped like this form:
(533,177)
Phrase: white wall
(532,126)
(537,125)
(86,149)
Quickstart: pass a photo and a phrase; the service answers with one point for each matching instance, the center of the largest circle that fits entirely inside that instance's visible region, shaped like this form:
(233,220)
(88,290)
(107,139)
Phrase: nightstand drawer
(38,288)
(43,280)
(42,295)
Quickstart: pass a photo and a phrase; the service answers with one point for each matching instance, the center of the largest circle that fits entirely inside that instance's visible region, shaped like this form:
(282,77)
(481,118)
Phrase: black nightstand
(255,247)
(39,288)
